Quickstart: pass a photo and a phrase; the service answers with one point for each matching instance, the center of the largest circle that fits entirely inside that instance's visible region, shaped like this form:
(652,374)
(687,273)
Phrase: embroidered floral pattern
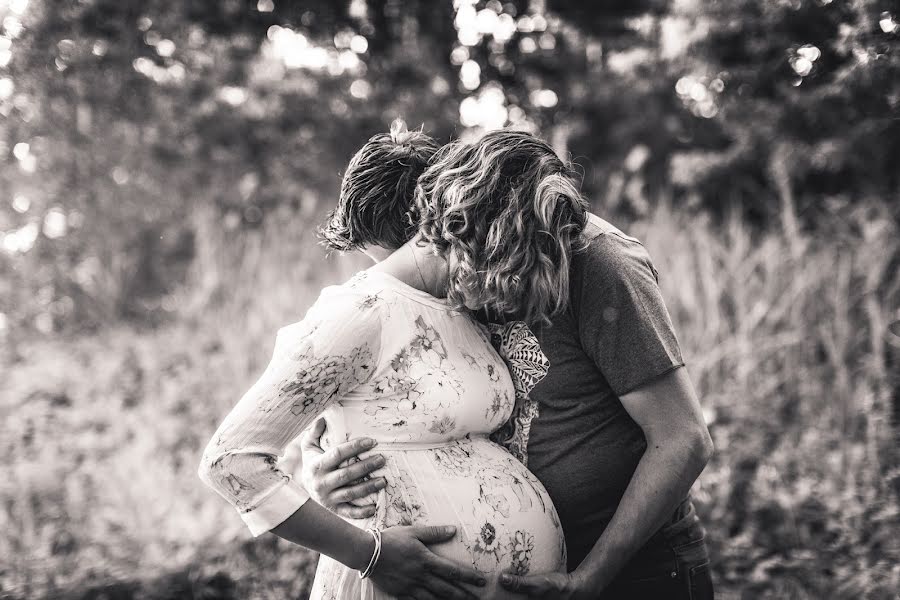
(499,405)
(521,547)
(443,425)
(319,379)
(369,301)
(420,364)
(427,340)
(357,280)
(455,460)
(237,485)
(405,505)
(470,360)
(487,540)
(498,503)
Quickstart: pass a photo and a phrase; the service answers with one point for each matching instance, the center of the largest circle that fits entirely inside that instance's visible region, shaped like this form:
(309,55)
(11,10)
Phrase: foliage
(800,500)
(122,117)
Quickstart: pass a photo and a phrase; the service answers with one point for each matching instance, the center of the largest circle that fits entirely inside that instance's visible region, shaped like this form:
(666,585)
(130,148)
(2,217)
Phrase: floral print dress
(378,358)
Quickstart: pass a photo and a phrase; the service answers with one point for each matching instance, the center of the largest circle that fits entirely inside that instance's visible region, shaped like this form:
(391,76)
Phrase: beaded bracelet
(376,554)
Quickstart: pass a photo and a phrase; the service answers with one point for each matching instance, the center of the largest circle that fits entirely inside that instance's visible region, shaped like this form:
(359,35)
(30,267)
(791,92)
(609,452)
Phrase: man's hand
(549,586)
(333,486)
(408,569)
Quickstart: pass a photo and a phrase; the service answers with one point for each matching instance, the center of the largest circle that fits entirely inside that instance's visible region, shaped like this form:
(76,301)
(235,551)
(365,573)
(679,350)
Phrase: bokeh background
(163,165)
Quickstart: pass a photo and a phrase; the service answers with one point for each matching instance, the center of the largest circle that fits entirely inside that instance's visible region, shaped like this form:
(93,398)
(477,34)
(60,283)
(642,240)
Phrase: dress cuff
(276,507)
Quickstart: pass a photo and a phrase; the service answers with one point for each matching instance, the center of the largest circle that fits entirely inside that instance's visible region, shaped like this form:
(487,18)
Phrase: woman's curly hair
(377,192)
(508,210)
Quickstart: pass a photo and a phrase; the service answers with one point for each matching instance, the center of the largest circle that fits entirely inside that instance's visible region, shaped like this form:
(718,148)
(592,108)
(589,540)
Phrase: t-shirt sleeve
(316,361)
(623,322)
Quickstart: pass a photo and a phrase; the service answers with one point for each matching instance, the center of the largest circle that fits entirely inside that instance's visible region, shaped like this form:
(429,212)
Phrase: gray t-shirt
(616,337)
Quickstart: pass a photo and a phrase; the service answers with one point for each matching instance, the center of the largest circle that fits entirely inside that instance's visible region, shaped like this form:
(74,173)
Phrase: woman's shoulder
(356,284)
(351,303)
(360,288)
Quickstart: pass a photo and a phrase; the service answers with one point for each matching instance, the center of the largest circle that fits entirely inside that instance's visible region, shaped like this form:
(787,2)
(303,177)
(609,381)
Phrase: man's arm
(624,326)
(625,329)
(678,448)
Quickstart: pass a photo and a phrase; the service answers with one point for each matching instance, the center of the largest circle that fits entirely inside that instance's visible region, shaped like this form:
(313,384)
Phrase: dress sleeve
(623,322)
(316,362)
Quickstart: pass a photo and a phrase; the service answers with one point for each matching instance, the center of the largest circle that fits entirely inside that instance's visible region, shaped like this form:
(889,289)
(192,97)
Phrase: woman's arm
(407,568)
(314,527)
(316,362)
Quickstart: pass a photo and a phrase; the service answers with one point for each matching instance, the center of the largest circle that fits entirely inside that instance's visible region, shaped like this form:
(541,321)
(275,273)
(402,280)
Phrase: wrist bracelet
(376,554)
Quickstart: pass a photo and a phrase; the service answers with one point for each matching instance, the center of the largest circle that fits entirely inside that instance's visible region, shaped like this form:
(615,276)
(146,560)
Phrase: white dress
(381,359)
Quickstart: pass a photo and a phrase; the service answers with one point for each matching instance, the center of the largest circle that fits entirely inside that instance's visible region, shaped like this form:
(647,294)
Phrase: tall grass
(788,347)
(787,342)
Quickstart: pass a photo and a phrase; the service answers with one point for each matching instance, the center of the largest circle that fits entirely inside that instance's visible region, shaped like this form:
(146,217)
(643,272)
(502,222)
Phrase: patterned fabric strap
(528,365)
(519,347)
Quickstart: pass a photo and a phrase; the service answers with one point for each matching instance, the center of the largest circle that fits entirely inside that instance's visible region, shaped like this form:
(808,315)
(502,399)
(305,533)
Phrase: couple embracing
(498,408)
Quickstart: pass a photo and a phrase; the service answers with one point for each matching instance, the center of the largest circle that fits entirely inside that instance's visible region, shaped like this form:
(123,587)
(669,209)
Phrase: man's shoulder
(603,229)
(607,246)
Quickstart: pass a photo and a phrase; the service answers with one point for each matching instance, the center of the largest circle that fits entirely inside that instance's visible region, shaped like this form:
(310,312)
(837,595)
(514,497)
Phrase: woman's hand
(549,586)
(333,486)
(408,569)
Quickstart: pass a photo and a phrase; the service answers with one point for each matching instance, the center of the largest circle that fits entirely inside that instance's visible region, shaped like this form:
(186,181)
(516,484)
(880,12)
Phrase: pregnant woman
(388,357)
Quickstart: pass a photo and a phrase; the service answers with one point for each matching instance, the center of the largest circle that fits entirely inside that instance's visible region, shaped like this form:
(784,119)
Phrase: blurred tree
(806,94)
(728,103)
(120,118)
(135,113)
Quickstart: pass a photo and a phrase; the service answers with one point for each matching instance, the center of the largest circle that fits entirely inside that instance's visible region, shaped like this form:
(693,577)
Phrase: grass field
(788,339)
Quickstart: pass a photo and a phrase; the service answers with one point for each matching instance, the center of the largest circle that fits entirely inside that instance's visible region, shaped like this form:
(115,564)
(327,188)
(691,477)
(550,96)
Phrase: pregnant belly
(504,518)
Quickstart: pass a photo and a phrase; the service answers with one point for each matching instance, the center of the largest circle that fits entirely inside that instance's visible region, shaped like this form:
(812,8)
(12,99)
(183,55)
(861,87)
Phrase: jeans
(673,565)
